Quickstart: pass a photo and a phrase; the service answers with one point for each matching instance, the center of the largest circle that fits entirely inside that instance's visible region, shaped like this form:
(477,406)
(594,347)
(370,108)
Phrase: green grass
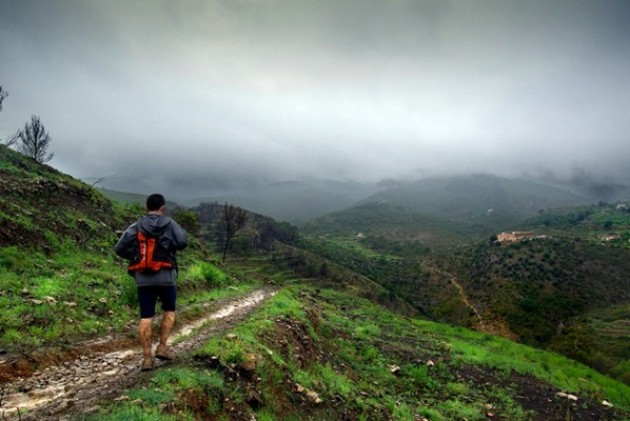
(73,286)
(349,356)
(169,387)
(135,412)
(504,355)
(204,273)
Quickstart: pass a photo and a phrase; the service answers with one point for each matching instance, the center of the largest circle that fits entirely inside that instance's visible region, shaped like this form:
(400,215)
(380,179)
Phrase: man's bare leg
(162,351)
(145,334)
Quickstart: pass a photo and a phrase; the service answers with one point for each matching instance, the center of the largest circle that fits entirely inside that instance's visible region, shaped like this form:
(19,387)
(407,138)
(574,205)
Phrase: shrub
(206,272)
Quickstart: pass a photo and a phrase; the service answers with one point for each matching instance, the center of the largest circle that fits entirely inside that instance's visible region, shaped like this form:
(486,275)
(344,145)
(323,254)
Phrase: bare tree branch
(33,141)
(13,139)
(234,219)
(3,94)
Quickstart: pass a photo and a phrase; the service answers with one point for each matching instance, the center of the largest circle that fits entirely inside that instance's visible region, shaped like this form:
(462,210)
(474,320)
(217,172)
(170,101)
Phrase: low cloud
(223,92)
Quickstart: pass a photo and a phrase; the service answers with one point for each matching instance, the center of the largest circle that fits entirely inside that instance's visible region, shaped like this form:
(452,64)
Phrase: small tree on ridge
(33,141)
(234,219)
(3,94)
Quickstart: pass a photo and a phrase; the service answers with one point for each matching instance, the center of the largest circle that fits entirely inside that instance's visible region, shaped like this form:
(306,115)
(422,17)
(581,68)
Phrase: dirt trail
(75,386)
(462,293)
(488,323)
(467,303)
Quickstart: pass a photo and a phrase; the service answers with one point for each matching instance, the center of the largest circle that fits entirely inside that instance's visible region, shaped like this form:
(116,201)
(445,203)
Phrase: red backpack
(147,247)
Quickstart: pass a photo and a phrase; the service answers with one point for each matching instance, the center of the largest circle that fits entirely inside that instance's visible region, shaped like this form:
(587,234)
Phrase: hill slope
(551,292)
(42,206)
(59,276)
(485,202)
(326,355)
(380,224)
(315,351)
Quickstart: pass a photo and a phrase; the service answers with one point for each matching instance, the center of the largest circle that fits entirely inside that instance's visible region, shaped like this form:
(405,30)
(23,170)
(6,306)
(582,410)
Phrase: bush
(206,272)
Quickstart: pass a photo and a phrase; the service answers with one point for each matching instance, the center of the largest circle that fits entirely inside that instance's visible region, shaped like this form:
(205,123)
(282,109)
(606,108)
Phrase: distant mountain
(131,198)
(587,185)
(297,201)
(442,212)
(292,201)
(486,201)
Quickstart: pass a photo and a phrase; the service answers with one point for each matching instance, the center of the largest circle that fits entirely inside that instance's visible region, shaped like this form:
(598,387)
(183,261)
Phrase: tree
(234,219)
(33,141)
(3,94)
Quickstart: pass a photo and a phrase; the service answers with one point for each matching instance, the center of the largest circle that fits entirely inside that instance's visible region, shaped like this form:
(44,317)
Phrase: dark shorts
(148,295)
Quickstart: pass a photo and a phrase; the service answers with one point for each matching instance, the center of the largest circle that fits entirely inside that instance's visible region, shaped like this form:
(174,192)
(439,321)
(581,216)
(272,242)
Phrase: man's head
(156,203)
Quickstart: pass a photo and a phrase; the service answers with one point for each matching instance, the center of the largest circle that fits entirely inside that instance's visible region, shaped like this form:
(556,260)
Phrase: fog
(208,94)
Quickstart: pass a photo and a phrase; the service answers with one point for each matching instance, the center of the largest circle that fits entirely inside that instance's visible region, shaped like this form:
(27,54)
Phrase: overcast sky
(336,89)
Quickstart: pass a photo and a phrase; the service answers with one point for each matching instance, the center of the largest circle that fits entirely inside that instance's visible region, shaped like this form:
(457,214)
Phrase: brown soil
(541,398)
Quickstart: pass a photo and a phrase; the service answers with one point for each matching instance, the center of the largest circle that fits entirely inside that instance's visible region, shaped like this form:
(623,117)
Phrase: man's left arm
(180,237)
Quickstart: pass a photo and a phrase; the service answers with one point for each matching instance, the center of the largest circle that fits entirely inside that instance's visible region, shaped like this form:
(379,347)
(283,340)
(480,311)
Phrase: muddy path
(103,369)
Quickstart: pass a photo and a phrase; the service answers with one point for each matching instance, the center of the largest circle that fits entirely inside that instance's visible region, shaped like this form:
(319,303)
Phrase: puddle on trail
(226,311)
(61,383)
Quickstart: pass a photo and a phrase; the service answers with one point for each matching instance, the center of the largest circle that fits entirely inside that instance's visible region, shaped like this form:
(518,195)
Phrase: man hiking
(150,244)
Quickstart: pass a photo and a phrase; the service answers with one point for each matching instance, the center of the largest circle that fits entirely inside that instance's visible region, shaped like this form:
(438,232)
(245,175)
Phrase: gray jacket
(169,235)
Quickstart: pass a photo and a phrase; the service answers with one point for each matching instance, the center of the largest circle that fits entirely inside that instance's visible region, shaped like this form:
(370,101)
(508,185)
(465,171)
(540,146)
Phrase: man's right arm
(125,247)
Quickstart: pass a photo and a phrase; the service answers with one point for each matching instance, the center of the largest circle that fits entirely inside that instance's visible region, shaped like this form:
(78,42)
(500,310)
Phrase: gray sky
(336,89)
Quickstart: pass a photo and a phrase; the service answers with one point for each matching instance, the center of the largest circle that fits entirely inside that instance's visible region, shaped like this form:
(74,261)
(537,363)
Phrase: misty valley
(297,210)
(473,296)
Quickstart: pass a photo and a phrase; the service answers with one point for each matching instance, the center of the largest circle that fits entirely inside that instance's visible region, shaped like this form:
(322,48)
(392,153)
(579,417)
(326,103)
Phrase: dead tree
(34,140)
(234,219)
(3,94)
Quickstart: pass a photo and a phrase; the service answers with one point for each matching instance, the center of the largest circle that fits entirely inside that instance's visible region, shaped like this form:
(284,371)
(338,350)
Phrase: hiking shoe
(147,364)
(164,353)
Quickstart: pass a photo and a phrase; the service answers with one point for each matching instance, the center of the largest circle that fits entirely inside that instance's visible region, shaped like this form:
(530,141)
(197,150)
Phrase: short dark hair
(155,202)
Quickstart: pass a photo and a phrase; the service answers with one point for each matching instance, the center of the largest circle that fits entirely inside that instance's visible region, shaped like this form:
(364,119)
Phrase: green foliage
(458,409)
(366,331)
(206,272)
(59,277)
(188,219)
(183,378)
(350,367)
(152,397)
(134,412)
(386,228)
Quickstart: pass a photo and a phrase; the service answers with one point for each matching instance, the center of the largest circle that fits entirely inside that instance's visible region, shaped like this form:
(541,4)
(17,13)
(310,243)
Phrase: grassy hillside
(548,292)
(551,279)
(608,222)
(568,291)
(123,197)
(383,226)
(319,350)
(326,355)
(600,338)
(60,280)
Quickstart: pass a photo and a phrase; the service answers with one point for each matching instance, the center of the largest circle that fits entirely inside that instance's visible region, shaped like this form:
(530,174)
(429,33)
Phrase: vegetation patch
(308,354)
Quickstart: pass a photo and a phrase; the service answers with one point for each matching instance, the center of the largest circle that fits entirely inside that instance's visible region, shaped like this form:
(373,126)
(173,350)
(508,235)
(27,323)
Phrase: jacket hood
(154,225)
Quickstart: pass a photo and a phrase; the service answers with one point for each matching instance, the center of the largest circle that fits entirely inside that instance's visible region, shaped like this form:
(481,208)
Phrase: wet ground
(74,383)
